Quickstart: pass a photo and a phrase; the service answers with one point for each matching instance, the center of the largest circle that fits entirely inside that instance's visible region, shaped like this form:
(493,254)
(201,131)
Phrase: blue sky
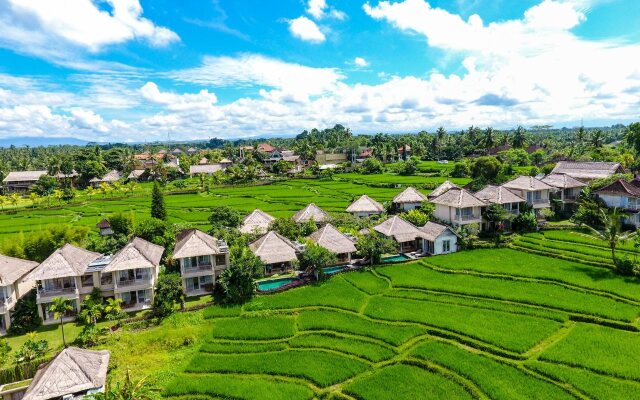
(141,70)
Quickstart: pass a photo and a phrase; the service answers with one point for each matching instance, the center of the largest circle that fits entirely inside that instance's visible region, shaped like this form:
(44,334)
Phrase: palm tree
(612,231)
(127,390)
(60,306)
(113,309)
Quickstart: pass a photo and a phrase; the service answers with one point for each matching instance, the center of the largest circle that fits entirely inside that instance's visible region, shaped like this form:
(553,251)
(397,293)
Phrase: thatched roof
(257,221)
(138,253)
(458,198)
(432,230)
(193,243)
(526,183)
(398,229)
(587,170)
(333,240)
(273,248)
(73,370)
(310,212)
(562,181)
(12,269)
(20,176)
(442,189)
(103,224)
(136,173)
(621,188)
(409,195)
(205,168)
(110,176)
(67,261)
(365,204)
(498,195)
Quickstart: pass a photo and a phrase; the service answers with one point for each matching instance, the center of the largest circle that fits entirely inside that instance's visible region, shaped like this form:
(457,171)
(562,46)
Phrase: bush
(525,222)
(31,349)
(91,335)
(236,283)
(625,266)
(224,217)
(372,166)
(24,317)
(168,292)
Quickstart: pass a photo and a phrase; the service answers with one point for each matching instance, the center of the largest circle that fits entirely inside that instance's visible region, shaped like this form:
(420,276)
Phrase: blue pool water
(272,284)
(332,270)
(396,258)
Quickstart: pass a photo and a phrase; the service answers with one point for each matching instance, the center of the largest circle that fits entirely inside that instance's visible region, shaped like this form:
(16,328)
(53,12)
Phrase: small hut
(409,199)
(311,212)
(439,239)
(365,207)
(257,221)
(408,236)
(335,241)
(105,227)
(276,252)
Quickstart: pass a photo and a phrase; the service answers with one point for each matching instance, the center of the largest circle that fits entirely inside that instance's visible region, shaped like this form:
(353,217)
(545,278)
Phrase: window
(221,259)
(87,280)
(204,260)
(206,279)
(106,279)
(446,246)
(144,296)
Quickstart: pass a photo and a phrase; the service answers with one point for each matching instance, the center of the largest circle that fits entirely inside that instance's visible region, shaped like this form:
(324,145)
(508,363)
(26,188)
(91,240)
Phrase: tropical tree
(168,293)
(60,306)
(612,232)
(113,309)
(58,195)
(3,201)
(158,209)
(224,217)
(373,246)
(126,390)
(315,258)
(34,198)
(32,349)
(14,199)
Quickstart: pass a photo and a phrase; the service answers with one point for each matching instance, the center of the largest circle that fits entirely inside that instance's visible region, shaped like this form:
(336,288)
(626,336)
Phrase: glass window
(206,279)
(203,260)
(87,280)
(446,245)
(106,279)
(221,259)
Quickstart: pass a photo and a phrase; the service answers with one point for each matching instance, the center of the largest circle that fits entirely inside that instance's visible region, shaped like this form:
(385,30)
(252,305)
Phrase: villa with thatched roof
(409,199)
(205,169)
(72,374)
(202,258)
(13,286)
(408,236)
(504,197)
(109,177)
(365,207)
(134,272)
(535,191)
(335,241)
(587,171)
(257,221)
(458,207)
(566,188)
(442,189)
(21,181)
(625,196)
(63,274)
(311,212)
(439,239)
(276,252)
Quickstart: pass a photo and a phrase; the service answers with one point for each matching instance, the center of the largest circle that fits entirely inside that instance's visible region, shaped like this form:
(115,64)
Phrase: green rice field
(481,324)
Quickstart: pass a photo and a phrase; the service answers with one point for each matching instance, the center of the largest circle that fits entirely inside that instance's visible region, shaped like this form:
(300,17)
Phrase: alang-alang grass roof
(193,243)
(398,229)
(272,248)
(365,204)
(138,253)
(311,212)
(67,261)
(498,195)
(458,198)
(409,195)
(257,221)
(333,240)
(12,269)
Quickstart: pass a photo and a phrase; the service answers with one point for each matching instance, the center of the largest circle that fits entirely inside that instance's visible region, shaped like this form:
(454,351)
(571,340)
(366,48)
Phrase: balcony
(57,292)
(199,268)
(540,201)
(134,282)
(570,197)
(467,218)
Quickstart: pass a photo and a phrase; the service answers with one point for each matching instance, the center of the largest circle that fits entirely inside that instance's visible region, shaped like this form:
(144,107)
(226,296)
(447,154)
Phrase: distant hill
(34,141)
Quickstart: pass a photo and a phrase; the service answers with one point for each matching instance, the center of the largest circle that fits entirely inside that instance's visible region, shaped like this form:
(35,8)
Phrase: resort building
(311,212)
(63,274)
(105,227)
(566,189)
(533,190)
(21,181)
(138,175)
(624,196)
(587,171)
(257,221)
(12,286)
(205,169)
(409,199)
(109,177)
(202,258)
(509,201)
(276,252)
(335,241)
(73,374)
(365,207)
(458,207)
(405,234)
(439,239)
(192,150)
(442,189)
(134,272)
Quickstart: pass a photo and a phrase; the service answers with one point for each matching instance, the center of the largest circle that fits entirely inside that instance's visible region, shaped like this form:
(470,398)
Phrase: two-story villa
(202,258)
(12,286)
(62,274)
(458,207)
(533,190)
(509,201)
(409,199)
(134,272)
(566,188)
(625,196)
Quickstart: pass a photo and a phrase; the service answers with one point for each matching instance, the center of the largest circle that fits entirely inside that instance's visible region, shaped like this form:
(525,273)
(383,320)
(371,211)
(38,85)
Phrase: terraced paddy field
(281,199)
(483,324)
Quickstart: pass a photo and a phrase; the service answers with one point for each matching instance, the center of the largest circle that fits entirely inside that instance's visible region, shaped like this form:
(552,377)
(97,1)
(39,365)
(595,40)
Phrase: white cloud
(319,9)
(87,119)
(305,29)
(187,101)
(61,30)
(360,62)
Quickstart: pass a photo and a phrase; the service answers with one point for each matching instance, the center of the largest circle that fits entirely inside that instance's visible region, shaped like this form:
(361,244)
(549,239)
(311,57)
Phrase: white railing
(468,217)
(56,292)
(199,268)
(539,201)
(134,282)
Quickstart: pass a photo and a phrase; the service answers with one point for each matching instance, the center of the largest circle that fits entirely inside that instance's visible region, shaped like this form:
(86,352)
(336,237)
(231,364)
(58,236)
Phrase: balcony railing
(134,282)
(57,291)
(135,304)
(199,268)
(571,197)
(468,217)
(540,201)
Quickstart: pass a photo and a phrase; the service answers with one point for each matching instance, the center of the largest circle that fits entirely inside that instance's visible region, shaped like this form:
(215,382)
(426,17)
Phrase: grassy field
(500,324)
(281,199)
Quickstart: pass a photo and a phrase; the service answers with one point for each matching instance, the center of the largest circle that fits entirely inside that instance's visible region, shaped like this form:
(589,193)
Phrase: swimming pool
(333,270)
(394,259)
(273,284)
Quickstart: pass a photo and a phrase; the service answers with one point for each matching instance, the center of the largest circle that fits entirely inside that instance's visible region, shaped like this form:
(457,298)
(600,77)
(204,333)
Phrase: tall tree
(158,209)
(519,138)
(60,306)
(612,232)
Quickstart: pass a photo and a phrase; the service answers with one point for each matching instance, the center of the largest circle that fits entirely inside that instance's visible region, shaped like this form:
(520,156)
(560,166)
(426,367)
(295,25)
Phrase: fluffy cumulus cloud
(319,9)
(529,70)
(305,29)
(60,29)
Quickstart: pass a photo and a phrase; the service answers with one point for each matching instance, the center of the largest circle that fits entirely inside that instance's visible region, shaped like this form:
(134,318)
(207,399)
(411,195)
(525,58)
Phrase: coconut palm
(612,231)
(60,306)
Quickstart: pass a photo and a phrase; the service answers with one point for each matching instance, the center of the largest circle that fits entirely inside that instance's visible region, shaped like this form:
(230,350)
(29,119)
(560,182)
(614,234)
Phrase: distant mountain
(34,141)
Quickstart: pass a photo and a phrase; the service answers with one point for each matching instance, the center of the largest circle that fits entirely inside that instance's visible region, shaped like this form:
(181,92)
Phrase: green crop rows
(499,324)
